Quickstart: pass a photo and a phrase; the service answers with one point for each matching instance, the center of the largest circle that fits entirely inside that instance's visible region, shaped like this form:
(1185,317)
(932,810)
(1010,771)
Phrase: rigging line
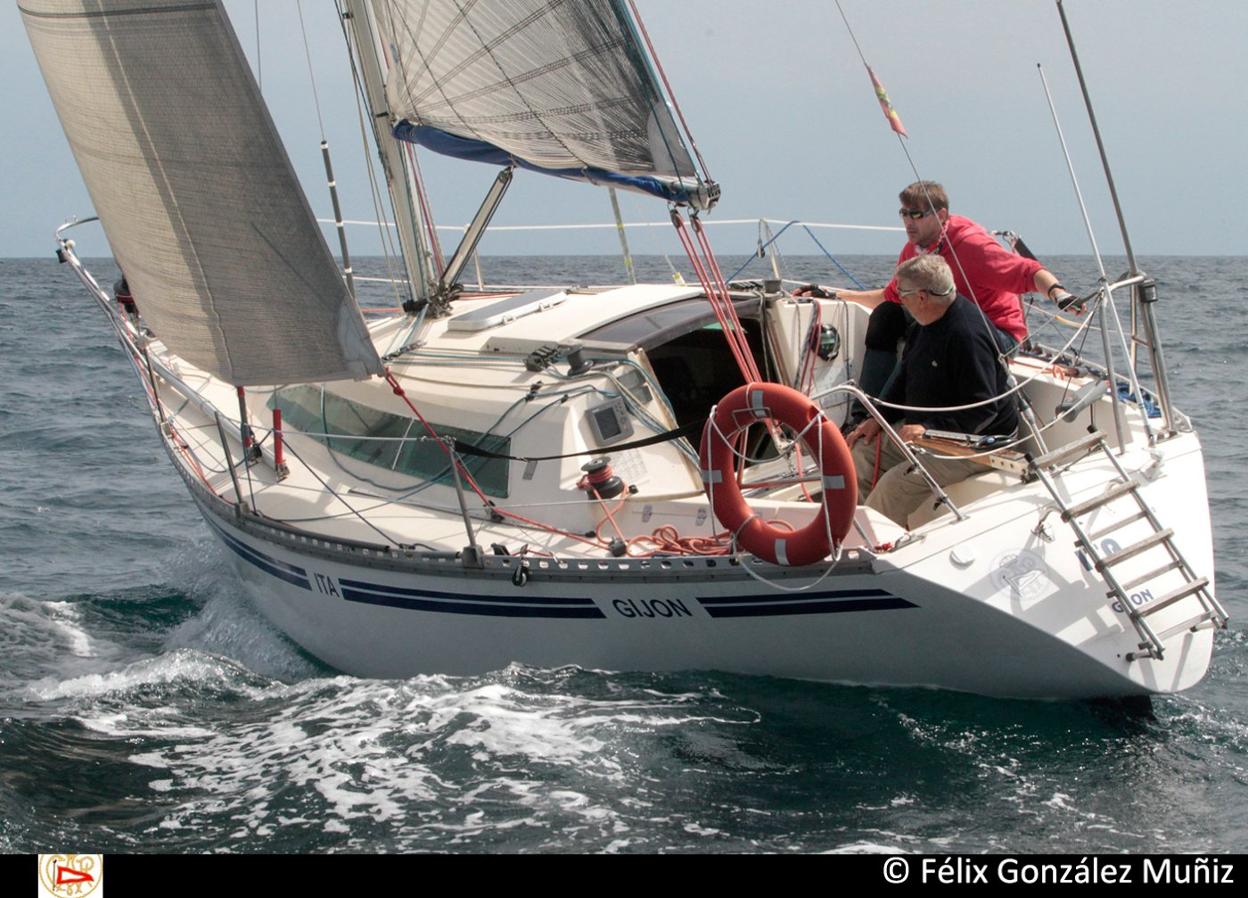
(735,339)
(712,264)
(387,246)
(931,206)
(641,26)
(259,70)
(762,246)
(1128,354)
(838,265)
(853,37)
(329,489)
(426,210)
(307,52)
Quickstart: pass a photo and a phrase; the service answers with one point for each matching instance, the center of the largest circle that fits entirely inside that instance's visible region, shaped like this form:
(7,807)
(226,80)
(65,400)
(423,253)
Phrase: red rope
(668,541)
(724,310)
(730,311)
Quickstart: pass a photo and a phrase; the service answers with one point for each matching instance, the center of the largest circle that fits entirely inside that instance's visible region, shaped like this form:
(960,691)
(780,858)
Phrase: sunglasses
(916,214)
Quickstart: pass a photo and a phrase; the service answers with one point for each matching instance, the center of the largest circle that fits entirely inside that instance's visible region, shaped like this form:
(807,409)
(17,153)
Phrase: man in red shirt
(983,271)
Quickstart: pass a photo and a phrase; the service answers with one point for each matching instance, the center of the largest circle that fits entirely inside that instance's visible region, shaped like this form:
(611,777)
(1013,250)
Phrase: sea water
(146,706)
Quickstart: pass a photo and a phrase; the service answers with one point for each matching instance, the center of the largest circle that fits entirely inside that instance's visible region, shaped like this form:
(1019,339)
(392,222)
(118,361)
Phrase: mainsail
(560,86)
(194,189)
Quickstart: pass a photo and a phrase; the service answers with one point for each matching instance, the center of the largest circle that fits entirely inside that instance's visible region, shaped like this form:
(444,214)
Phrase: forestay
(195,191)
(554,85)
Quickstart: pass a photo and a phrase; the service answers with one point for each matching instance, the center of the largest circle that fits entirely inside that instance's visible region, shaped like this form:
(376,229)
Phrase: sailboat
(645,477)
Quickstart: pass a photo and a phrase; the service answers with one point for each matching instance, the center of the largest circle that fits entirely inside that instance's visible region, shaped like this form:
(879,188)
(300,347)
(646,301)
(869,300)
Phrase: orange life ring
(750,404)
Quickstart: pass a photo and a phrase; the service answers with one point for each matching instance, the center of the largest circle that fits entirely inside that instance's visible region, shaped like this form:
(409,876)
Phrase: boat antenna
(1119,427)
(1100,144)
(1070,167)
(1144,294)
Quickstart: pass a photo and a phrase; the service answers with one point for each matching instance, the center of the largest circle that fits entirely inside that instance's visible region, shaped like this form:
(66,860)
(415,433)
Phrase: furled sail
(560,86)
(196,194)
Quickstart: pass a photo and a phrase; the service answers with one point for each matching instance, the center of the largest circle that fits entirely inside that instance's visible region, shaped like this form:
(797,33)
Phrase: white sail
(196,194)
(556,85)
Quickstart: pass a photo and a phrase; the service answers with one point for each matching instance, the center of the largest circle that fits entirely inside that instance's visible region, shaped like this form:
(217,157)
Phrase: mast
(399,177)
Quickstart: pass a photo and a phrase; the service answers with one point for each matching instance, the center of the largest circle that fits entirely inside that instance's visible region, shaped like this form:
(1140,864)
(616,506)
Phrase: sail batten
(552,85)
(195,192)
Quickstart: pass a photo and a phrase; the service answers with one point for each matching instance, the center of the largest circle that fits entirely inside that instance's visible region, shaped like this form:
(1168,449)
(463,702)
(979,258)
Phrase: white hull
(1003,622)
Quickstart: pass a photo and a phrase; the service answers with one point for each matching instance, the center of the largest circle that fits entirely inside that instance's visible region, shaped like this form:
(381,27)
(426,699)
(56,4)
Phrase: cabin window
(691,358)
(394,442)
(687,350)
(697,369)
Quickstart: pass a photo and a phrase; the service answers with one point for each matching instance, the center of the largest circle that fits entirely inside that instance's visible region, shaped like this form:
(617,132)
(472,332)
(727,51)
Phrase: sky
(782,109)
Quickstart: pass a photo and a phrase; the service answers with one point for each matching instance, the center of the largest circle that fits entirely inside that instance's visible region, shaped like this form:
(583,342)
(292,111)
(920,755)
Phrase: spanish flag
(894,120)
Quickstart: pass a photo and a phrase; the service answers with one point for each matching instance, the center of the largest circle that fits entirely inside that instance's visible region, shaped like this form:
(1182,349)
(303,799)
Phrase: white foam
(229,625)
(66,618)
(141,723)
(696,830)
(385,752)
(193,667)
(1061,801)
(864,847)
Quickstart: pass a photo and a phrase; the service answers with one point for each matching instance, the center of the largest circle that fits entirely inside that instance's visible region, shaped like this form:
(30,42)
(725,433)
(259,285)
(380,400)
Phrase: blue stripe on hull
(771,598)
(457,597)
(840,606)
(834,601)
(411,600)
(272,566)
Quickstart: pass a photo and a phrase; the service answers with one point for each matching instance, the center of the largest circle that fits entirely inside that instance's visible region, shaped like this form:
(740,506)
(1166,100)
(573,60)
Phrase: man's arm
(988,263)
(867,298)
(995,266)
(1047,283)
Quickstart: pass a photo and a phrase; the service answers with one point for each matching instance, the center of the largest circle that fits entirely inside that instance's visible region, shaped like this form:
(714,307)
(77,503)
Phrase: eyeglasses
(911,291)
(916,214)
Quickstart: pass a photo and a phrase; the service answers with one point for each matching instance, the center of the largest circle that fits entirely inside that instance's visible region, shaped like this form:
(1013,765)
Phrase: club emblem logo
(71,875)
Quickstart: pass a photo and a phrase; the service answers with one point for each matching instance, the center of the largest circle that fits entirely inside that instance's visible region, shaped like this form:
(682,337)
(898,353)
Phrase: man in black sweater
(951,360)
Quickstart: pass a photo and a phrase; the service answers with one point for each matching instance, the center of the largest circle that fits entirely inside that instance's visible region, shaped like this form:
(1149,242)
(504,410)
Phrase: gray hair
(928,272)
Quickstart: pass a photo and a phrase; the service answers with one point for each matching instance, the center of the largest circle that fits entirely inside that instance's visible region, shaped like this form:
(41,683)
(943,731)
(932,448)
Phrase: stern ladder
(1207,612)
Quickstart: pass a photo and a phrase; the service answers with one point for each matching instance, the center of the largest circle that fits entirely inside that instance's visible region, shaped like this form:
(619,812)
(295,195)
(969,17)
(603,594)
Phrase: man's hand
(1066,300)
(815,291)
(910,432)
(868,430)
